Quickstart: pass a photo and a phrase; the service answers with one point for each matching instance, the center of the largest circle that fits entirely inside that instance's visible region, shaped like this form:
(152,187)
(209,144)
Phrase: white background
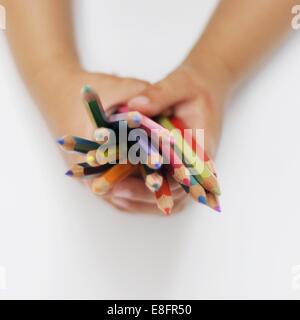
(57,240)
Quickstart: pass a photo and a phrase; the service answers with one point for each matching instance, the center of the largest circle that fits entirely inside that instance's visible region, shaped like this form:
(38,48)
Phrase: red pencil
(164,197)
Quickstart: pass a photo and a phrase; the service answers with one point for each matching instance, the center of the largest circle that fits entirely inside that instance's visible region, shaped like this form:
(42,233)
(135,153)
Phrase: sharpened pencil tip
(202,200)
(218,209)
(60,141)
(69,173)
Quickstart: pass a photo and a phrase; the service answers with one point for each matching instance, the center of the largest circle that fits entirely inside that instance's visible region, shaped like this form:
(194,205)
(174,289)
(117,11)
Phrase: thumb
(160,96)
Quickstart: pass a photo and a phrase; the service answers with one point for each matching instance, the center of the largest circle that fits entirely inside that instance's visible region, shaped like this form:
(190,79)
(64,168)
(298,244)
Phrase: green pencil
(94,107)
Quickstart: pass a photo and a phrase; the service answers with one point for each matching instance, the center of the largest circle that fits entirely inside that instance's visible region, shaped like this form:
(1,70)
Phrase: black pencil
(94,107)
(84,169)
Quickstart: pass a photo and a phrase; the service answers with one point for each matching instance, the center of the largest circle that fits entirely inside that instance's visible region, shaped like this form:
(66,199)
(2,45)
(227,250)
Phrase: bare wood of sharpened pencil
(91,159)
(110,155)
(153,179)
(213,202)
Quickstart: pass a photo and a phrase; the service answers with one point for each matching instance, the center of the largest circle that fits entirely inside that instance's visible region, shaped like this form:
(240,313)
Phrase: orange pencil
(119,172)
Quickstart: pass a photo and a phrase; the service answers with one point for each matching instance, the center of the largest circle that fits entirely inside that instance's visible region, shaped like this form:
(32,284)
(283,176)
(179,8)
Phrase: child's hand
(196,97)
(59,94)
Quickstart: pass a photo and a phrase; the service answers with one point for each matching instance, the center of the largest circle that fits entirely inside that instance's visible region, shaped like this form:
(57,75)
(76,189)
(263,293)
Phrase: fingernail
(124,194)
(140,101)
(121,203)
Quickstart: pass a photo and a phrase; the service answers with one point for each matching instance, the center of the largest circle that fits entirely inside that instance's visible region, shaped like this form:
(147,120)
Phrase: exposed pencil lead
(60,141)
(86,88)
(202,199)
(69,173)
(218,209)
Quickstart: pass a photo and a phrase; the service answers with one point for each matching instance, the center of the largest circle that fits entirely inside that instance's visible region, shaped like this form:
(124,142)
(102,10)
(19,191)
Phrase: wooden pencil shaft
(84,169)
(213,202)
(147,170)
(118,172)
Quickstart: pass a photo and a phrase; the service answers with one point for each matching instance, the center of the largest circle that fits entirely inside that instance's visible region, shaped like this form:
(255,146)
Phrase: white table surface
(57,240)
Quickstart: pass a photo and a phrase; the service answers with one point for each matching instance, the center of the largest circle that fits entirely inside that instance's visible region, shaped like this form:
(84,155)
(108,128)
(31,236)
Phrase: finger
(174,185)
(122,89)
(162,95)
(141,207)
(134,189)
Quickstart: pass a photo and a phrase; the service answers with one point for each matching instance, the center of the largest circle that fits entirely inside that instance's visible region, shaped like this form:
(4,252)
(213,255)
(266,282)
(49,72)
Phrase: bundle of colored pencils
(165,153)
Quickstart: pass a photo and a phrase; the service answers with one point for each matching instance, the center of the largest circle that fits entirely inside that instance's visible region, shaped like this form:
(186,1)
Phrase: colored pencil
(164,197)
(201,172)
(101,185)
(213,201)
(94,107)
(73,143)
(143,122)
(178,124)
(153,159)
(153,179)
(84,169)
(176,168)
